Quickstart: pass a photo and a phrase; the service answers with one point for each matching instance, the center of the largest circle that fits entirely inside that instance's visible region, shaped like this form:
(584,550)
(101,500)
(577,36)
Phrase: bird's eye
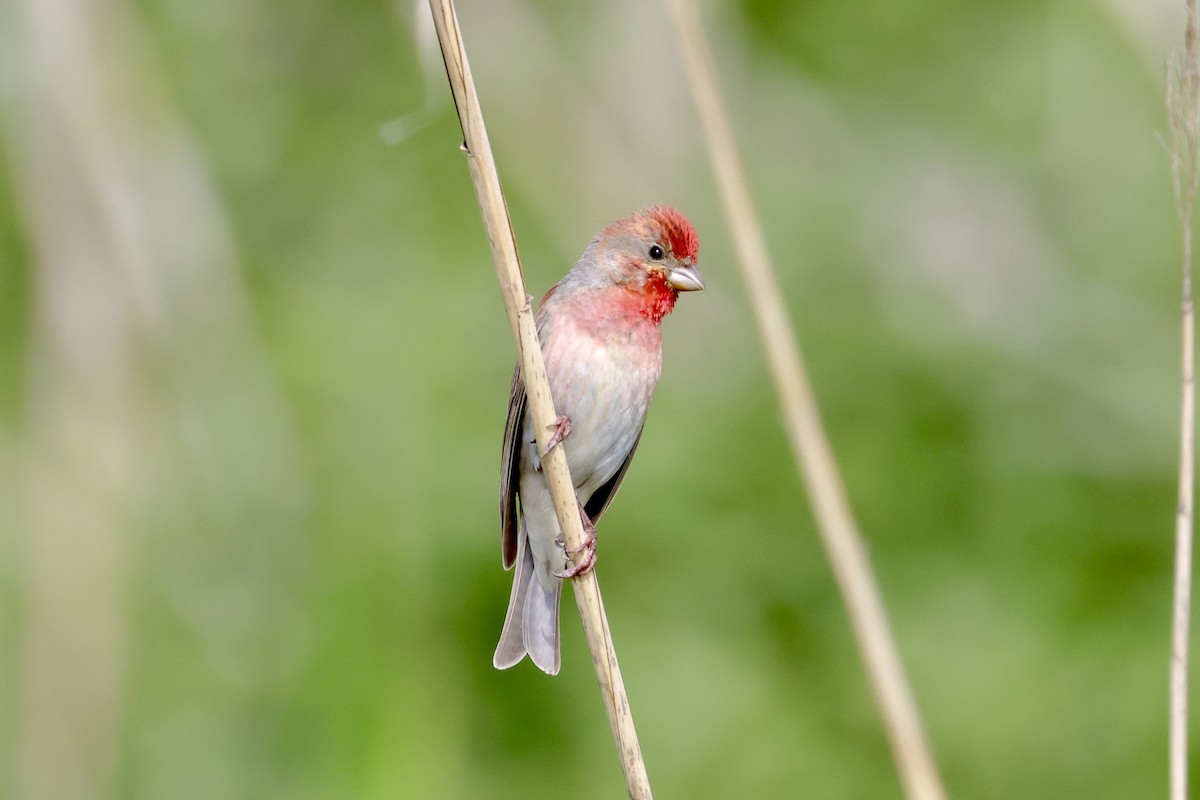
(656,252)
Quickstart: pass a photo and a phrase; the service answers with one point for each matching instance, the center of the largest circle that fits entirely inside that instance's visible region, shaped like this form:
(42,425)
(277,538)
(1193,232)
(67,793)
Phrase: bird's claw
(583,567)
(562,429)
(588,548)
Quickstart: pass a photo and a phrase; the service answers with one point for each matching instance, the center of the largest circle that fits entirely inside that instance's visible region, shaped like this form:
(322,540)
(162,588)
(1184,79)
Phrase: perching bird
(600,336)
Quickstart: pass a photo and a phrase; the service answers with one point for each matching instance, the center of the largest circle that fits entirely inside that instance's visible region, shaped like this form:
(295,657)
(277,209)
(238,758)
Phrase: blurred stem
(814,457)
(67,163)
(1183,112)
(519,305)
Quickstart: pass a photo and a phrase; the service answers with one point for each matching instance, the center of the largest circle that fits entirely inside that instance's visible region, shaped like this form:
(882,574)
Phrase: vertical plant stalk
(519,305)
(1183,113)
(79,418)
(814,457)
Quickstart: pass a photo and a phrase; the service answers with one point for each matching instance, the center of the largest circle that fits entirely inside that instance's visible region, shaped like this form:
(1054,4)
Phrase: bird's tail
(531,625)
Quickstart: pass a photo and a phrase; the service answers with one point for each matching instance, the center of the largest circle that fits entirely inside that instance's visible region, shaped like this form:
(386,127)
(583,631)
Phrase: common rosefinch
(600,335)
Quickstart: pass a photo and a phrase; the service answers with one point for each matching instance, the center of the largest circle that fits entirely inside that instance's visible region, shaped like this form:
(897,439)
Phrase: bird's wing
(604,495)
(510,470)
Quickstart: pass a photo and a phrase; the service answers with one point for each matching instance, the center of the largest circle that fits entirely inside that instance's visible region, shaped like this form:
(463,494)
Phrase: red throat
(656,299)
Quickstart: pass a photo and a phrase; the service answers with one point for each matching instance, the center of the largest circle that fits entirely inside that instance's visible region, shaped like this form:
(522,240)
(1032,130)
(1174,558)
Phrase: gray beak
(685,279)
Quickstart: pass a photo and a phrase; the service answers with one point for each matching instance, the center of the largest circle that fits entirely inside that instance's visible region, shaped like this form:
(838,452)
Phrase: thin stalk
(813,454)
(519,305)
(1183,112)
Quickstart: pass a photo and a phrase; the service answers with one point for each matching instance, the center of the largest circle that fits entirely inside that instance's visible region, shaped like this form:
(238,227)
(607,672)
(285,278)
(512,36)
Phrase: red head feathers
(685,244)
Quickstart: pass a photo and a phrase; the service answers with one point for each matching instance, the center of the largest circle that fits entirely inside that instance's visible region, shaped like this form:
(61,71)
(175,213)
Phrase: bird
(601,340)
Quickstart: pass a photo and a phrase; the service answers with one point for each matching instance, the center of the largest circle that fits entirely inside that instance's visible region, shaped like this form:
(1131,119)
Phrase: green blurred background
(254,367)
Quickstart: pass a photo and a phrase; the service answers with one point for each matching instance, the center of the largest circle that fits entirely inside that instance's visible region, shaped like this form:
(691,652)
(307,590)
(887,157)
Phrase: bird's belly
(601,439)
(606,393)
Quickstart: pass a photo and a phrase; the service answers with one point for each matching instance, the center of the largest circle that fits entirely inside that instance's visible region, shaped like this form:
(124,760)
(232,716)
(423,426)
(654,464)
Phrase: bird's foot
(582,568)
(562,429)
(588,548)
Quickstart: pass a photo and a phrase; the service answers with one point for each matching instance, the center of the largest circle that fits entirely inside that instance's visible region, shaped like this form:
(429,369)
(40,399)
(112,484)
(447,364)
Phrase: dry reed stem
(520,313)
(1183,112)
(79,420)
(814,457)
